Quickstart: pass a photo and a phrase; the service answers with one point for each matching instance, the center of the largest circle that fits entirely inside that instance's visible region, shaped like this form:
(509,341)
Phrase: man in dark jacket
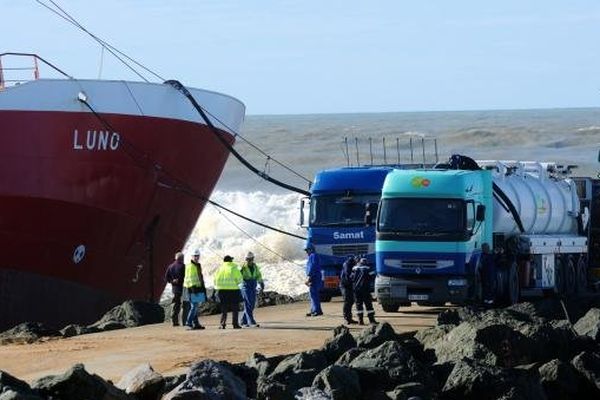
(175,275)
(362,274)
(346,289)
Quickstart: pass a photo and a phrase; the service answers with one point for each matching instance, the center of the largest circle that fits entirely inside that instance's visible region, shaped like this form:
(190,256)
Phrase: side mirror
(480,213)
(369,211)
(303,203)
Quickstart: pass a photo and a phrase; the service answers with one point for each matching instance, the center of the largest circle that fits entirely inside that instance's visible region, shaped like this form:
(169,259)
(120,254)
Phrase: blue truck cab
(430,227)
(336,224)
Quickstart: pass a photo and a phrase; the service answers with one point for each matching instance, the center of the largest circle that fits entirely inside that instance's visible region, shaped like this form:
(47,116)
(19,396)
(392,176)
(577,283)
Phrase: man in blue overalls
(314,280)
(252,277)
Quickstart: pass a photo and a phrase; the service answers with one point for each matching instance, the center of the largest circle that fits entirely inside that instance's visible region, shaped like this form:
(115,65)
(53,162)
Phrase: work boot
(360,320)
(350,321)
(372,319)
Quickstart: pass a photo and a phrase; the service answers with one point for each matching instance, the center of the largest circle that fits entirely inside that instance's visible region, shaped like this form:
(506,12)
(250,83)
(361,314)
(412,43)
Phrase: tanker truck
(432,224)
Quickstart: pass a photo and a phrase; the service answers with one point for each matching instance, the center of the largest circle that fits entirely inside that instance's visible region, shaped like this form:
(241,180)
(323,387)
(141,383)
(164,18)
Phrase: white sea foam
(219,233)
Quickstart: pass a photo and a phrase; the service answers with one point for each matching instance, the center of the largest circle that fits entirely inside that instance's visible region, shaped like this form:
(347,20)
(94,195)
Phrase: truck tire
(325,297)
(559,276)
(581,275)
(513,289)
(390,307)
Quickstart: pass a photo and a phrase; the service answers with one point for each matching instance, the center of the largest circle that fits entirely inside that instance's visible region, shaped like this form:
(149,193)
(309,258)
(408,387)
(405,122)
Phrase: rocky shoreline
(527,351)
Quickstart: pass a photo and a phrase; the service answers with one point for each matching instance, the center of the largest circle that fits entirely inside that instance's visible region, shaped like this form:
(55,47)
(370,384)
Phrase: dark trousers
(363,297)
(230,301)
(348,295)
(177,303)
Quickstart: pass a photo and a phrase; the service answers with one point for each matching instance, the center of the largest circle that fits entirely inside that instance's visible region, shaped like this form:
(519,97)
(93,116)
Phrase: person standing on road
(314,281)
(252,278)
(194,282)
(347,289)
(362,274)
(175,275)
(228,280)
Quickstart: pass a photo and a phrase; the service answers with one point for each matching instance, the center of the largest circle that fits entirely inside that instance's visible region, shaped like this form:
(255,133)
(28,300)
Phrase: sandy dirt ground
(170,350)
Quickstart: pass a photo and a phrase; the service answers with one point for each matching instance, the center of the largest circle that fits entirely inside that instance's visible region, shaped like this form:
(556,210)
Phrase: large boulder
(588,365)
(346,358)
(266,299)
(310,393)
(471,380)
(264,365)
(142,382)
(78,384)
(375,335)
(210,380)
(130,314)
(340,383)
(10,394)
(7,381)
(388,365)
(589,324)
(561,381)
(76,330)
(341,341)
(27,332)
(292,373)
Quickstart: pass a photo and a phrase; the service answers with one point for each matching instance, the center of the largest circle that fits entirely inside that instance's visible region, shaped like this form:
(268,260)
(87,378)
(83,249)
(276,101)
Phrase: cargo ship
(101,182)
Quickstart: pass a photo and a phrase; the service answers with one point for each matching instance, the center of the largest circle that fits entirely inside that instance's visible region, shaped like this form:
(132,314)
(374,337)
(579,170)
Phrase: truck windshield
(417,216)
(341,210)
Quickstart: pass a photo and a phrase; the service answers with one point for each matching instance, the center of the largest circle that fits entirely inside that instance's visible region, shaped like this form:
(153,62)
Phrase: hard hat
(227,258)
(250,255)
(196,252)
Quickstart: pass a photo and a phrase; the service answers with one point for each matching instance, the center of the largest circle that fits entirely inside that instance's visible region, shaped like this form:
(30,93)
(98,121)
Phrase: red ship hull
(93,207)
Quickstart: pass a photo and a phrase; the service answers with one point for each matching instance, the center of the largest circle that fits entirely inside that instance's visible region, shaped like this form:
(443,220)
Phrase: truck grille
(419,263)
(342,250)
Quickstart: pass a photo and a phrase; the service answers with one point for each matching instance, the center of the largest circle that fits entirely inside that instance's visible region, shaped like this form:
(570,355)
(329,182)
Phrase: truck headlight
(457,282)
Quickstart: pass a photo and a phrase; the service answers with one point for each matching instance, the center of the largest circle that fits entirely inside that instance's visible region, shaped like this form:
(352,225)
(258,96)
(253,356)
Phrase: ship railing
(418,150)
(14,75)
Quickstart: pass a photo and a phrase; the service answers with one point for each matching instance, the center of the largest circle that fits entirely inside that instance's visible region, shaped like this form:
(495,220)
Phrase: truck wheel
(513,289)
(390,307)
(581,275)
(570,276)
(559,275)
(325,297)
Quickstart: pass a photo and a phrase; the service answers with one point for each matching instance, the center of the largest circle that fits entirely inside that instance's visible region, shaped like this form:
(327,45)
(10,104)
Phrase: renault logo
(418,270)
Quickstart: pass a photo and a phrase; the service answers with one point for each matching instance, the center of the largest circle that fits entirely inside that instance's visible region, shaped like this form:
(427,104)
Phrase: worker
(252,279)
(194,282)
(174,276)
(347,289)
(314,281)
(228,280)
(362,275)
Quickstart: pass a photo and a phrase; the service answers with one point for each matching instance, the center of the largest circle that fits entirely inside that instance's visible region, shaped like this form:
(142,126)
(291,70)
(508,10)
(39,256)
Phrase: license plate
(418,297)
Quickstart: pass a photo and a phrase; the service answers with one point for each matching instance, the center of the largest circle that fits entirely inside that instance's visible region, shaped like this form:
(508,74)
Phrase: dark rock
(589,324)
(340,383)
(561,380)
(341,342)
(473,380)
(346,358)
(310,393)
(209,307)
(431,336)
(27,332)
(208,379)
(76,330)
(171,382)
(411,390)
(130,314)
(7,381)
(78,384)
(547,308)
(10,394)
(588,365)
(266,299)
(264,365)
(247,374)
(142,382)
(375,335)
(292,373)
(392,365)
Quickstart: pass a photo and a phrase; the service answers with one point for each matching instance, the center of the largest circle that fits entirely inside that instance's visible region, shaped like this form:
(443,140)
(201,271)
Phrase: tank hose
(178,86)
(511,207)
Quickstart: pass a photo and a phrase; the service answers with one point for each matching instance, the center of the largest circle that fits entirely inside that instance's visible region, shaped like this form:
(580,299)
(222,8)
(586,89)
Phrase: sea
(292,148)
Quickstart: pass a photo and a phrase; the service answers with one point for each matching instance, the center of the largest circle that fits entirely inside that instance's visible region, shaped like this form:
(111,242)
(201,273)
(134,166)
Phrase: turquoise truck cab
(431,224)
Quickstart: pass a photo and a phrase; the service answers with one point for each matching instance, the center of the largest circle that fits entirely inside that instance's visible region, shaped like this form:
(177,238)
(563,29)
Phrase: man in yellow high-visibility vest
(194,283)
(228,279)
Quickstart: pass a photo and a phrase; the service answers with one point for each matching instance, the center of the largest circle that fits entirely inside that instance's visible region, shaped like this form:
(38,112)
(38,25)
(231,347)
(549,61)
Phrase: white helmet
(196,253)
(250,256)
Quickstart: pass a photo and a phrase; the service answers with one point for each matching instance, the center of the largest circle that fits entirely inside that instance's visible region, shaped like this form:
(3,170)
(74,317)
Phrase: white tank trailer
(540,223)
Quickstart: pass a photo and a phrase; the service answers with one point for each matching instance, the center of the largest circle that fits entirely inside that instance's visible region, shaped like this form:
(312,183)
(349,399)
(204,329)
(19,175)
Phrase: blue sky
(295,57)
